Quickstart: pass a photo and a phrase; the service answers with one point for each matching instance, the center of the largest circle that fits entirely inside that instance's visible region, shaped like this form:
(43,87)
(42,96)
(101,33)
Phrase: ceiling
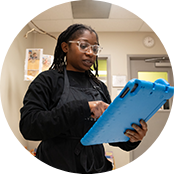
(101,16)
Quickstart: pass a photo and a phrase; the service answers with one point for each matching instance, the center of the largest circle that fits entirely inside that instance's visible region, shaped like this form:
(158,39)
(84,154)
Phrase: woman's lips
(87,63)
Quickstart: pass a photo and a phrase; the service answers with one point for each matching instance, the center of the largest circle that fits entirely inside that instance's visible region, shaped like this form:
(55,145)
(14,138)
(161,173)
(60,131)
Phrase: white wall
(12,51)
(118,46)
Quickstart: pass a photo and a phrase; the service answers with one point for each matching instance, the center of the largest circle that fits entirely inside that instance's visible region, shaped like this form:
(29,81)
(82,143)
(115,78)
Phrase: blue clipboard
(138,100)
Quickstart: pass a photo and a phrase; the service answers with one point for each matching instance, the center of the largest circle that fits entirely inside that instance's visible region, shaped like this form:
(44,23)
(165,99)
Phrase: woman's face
(77,60)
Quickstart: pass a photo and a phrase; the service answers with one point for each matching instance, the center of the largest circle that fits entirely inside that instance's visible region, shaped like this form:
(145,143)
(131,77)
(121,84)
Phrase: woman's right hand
(97,108)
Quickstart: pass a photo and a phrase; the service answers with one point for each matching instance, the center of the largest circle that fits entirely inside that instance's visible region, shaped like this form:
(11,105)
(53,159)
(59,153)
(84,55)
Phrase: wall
(118,46)
(13,87)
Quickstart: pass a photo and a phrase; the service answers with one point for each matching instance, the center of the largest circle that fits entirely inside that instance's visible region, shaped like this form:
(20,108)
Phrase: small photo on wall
(33,63)
(47,61)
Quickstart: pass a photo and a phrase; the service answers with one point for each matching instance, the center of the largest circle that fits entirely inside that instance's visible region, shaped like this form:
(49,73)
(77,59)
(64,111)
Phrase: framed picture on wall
(33,63)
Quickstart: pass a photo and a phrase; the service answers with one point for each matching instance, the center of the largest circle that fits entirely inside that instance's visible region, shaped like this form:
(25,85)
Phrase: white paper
(118,81)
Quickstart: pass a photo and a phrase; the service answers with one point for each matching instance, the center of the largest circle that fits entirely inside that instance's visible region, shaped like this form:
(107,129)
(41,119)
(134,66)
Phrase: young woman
(62,104)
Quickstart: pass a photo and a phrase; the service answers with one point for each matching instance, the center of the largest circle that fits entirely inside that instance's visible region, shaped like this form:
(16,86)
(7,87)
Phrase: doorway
(104,70)
(150,68)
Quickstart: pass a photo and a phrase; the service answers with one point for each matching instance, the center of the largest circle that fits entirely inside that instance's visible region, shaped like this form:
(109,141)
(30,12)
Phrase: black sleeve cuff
(127,146)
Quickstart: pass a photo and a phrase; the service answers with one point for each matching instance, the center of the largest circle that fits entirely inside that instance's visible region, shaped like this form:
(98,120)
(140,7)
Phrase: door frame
(138,57)
(108,58)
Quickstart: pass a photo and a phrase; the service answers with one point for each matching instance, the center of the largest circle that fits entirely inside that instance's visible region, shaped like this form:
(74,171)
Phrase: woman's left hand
(139,133)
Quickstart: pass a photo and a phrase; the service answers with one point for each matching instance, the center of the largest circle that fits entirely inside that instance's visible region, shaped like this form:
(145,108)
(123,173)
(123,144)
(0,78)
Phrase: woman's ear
(64,46)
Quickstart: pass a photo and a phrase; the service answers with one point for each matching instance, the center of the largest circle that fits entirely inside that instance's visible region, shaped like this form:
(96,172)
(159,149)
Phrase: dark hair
(71,33)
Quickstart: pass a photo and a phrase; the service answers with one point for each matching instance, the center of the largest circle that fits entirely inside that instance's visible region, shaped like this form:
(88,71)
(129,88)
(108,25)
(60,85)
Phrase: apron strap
(65,92)
(95,86)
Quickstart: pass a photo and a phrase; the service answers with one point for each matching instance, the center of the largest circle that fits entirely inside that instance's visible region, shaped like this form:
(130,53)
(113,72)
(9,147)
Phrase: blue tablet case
(138,100)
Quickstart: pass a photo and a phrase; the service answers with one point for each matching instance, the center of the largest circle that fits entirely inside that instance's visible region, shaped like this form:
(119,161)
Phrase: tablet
(138,100)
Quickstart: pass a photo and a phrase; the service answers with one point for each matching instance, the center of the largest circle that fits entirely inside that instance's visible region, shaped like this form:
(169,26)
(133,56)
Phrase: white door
(155,155)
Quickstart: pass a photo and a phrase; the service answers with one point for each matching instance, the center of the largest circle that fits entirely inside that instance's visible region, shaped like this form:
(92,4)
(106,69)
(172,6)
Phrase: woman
(63,103)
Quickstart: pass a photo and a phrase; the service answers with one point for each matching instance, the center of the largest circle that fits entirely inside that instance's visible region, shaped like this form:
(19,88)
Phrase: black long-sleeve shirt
(42,119)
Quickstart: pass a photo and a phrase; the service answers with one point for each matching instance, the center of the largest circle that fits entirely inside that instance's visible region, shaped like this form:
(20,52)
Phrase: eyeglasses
(85,46)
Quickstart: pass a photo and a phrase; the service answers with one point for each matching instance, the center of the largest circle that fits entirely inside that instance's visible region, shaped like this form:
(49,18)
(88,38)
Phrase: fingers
(139,133)
(143,124)
(134,137)
(141,130)
(97,108)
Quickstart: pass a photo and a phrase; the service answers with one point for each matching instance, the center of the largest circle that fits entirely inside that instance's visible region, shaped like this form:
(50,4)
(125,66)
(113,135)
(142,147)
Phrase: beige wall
(12,47)
(118,46)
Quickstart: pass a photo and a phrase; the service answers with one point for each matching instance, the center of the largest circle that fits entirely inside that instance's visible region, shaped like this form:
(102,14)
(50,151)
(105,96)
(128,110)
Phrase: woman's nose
(89,51)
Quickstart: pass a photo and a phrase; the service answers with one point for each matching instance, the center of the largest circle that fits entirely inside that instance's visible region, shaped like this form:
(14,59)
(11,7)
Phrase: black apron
(88,157)
(71,155)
